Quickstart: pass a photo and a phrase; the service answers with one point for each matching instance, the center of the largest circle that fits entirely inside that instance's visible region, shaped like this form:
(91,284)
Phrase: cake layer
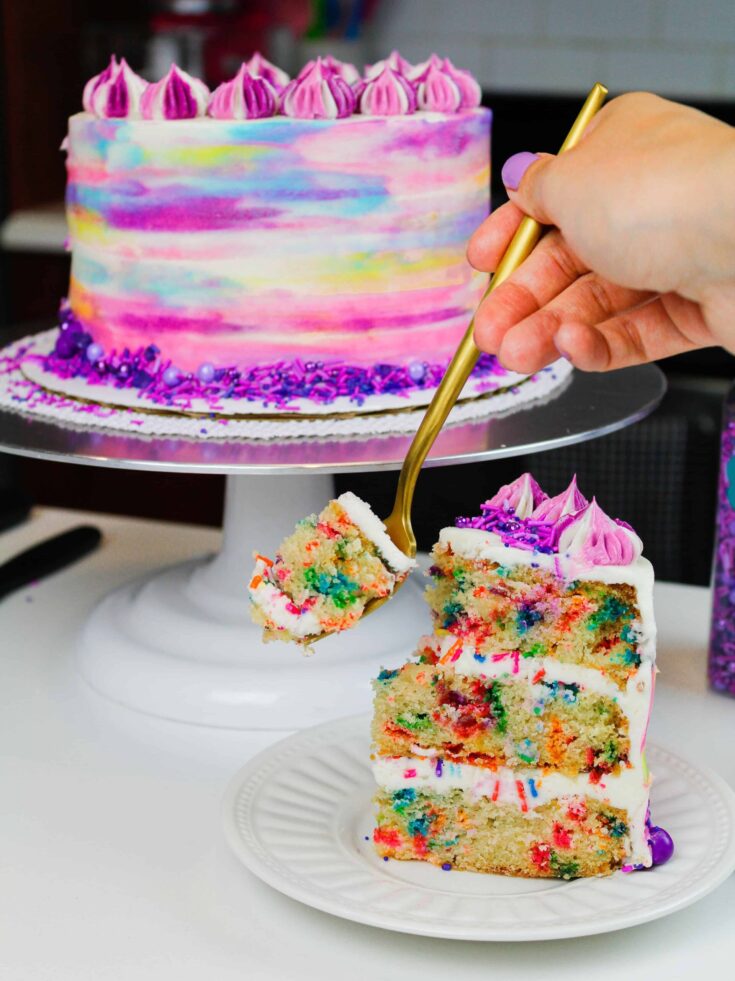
(505,599)
(563,839)
(500,721)
(325,572)
(521,793)
(247,242)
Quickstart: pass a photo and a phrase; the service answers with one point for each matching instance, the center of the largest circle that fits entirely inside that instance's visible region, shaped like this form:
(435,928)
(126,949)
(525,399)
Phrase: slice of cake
(325,573)
(513,742)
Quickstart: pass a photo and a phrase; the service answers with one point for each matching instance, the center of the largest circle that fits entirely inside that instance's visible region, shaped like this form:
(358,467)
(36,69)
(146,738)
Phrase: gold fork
(398,522)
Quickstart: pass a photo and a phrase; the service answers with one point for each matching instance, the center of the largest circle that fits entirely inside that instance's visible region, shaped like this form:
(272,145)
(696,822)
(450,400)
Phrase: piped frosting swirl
(260,67)
(555,508)
(521,516)
(244,97)
(320,93)
(595,539)
(394,61)
(522,496)
(388,94)
(115,93)
(326,88)
(177,96)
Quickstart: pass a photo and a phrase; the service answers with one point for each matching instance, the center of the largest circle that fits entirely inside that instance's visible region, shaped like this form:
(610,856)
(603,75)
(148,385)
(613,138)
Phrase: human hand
(640,263)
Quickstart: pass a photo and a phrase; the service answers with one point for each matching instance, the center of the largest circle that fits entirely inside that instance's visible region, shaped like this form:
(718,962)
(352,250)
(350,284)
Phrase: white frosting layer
(275,604)
(525,789)
(472,543)
(362,515)
(634,700)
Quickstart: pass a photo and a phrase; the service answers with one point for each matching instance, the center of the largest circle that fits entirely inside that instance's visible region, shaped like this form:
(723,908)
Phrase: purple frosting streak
(178,100)
(118,101)
(279,384)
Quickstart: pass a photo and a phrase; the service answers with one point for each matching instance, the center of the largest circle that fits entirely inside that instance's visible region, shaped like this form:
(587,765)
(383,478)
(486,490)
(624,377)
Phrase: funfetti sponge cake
(325,572)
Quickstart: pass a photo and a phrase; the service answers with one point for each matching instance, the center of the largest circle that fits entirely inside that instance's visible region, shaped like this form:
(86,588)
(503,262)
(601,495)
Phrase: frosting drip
(177,96)
(115,93)
(260,67)
(388,94)
(318,94)
(244,97)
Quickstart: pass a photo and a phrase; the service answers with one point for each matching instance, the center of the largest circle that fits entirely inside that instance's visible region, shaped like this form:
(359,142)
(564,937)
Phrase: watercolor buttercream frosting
(284,244)
(513,742)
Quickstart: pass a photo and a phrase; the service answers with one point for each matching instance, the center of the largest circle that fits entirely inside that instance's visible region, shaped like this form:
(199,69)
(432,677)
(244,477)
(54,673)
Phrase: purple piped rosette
(277,385)
(722,629)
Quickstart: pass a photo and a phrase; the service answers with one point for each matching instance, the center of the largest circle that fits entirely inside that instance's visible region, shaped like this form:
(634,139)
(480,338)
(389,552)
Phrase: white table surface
(112,859)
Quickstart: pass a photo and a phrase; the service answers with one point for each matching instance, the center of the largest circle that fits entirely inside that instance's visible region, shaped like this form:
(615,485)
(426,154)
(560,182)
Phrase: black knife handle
(48,557)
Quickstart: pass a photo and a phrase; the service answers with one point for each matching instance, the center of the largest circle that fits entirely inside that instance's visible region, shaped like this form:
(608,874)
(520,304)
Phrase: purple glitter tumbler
(722,633)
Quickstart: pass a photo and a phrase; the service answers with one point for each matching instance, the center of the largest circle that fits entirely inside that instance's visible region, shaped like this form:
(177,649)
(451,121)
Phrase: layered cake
(325,573)
(277,244)
(513,742)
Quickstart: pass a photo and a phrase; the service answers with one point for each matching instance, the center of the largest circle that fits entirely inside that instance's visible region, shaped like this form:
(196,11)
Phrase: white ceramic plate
(299,816)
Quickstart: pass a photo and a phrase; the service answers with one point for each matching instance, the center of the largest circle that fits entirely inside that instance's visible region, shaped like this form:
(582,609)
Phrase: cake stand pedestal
(178,643)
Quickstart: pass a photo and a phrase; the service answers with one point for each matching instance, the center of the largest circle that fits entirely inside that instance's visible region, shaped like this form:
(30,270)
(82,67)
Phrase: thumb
(526,179)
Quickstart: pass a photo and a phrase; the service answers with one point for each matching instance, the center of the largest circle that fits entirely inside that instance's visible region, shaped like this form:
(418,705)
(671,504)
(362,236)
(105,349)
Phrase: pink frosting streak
(262,68)
(438,92)
(553,509)
(466,82)
(522,496)
(388,94)
(116,93)
(244,97)
(594,538)
(319,93)
(394,61)
(177,96)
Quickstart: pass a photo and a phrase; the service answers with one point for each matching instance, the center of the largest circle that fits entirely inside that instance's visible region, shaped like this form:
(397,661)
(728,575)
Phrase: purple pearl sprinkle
(447,867)
(94,352)
(205,372)
(417,371)
(276,385)
(662,845)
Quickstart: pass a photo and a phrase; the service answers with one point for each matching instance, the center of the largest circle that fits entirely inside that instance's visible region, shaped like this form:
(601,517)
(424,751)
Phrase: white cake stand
(178,643)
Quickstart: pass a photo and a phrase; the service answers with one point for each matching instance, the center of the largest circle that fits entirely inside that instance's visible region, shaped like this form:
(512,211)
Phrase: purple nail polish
(515,167)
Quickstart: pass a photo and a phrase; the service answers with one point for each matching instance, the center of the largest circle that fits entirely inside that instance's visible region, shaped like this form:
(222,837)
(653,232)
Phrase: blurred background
(534,60)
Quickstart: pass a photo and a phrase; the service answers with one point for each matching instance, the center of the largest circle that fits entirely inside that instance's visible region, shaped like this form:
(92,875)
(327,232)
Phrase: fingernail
(515,167)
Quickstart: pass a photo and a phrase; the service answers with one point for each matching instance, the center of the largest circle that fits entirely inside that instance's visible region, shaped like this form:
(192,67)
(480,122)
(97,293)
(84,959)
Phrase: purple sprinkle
(662,845)
(277,384)
(447,867)
(94,352)
(439,766)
